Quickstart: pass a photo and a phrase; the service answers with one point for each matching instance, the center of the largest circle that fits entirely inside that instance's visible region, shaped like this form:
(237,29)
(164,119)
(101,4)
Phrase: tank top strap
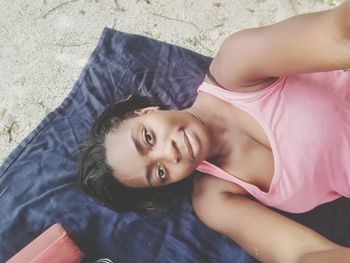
(238,97)
(209,168)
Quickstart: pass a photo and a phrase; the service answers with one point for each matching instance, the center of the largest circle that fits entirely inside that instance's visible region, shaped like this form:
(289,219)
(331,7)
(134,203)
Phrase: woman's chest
(251,158)
(253,164)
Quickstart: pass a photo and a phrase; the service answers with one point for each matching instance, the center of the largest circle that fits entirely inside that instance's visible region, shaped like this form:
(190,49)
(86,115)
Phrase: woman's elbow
(343,20)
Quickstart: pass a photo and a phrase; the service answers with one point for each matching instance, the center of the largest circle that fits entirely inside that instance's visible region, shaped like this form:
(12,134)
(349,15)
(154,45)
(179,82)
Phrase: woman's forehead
(121,154)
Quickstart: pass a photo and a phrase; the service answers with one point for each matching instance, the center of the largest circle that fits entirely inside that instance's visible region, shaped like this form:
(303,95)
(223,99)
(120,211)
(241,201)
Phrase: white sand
(45,43)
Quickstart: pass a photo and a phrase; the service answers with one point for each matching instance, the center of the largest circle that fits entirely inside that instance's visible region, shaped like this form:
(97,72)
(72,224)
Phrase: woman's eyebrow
(134,137)
(140,150)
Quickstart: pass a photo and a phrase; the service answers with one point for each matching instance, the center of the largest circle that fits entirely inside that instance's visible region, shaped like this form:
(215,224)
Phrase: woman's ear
(146,110)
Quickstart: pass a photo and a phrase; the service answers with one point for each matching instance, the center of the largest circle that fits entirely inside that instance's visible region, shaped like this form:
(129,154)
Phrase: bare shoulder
(207,190)
(210,184)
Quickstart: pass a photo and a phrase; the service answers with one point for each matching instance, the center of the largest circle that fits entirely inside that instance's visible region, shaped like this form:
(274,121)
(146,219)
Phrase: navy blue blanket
(39,183)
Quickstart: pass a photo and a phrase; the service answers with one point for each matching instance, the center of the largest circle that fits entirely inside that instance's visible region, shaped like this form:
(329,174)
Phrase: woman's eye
(148,138)
(161,173)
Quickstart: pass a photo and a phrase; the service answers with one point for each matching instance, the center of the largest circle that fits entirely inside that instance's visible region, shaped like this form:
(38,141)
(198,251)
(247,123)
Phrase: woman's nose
(170,152)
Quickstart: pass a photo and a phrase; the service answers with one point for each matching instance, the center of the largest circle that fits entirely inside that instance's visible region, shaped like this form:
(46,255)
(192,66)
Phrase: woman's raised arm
(306,43)
(266,235)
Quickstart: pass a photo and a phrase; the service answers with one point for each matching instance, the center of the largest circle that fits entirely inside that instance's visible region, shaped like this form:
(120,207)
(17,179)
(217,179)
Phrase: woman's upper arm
(306,43)
(266,235)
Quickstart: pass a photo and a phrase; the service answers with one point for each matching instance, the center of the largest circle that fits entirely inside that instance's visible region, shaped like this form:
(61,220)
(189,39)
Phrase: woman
(282,140)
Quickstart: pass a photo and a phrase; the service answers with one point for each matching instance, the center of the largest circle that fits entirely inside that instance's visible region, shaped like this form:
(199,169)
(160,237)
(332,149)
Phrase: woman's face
(156,147)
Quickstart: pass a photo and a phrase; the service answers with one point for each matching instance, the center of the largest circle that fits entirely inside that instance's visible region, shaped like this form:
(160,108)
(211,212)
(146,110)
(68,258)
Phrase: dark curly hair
(95,175)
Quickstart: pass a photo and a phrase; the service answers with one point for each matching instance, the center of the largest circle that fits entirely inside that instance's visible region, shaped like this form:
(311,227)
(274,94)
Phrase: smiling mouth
(189,148)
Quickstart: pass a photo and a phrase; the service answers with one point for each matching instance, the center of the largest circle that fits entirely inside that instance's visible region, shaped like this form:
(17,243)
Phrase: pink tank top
(307,121)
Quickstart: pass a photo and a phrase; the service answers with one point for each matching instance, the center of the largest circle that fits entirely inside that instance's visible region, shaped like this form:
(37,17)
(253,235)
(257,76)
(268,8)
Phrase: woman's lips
(192,144)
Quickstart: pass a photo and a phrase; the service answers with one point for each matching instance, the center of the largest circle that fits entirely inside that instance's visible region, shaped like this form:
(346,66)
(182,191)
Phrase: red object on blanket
(54,246)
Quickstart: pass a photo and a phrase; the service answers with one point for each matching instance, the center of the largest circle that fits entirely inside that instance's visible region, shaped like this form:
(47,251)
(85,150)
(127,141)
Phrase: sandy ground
(45,43)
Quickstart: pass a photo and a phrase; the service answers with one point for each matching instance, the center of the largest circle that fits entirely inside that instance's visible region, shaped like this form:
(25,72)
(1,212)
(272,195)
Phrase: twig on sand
(216,26)
(208,49)
(147,1)
(114,23)
(176,19)
(194,41)
(118,7)
(71,45)
(57,7)
(9,130)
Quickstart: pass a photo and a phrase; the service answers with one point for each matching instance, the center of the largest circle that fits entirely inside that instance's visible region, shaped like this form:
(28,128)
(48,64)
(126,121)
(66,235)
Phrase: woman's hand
(266,235)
